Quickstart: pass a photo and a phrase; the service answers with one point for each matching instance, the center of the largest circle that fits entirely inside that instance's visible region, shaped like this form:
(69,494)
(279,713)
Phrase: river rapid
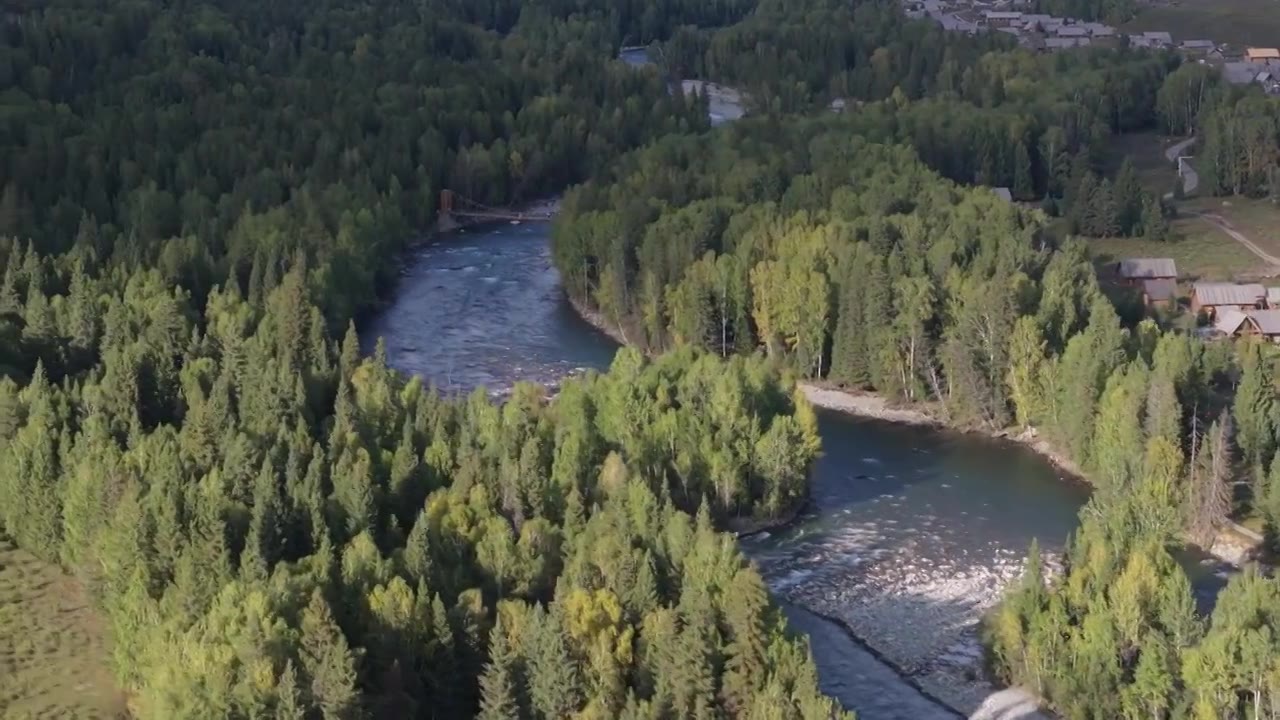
(910,534)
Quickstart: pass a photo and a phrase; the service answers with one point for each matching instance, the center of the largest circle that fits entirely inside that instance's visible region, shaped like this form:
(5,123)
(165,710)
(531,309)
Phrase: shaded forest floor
(1239,22)
(53,658)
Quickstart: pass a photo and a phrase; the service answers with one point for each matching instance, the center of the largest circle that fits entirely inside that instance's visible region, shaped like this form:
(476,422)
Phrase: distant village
(1221,309)
(1047,33)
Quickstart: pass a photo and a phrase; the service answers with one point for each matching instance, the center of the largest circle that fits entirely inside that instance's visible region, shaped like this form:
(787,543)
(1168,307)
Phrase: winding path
(1222,224)
(1190,179)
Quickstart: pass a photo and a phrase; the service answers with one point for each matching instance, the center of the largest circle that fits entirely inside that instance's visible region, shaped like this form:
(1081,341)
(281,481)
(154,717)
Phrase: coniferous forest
(197,200)
(853,248)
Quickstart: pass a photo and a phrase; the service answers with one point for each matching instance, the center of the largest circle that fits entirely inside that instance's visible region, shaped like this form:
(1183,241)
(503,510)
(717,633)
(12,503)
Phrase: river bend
(910,534)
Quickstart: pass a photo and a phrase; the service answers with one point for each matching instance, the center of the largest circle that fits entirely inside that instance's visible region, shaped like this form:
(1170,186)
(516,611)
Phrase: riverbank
(923,618)
(870,405)
(920,619)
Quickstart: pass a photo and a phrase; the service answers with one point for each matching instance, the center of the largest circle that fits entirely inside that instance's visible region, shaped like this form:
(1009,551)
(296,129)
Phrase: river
(910,533)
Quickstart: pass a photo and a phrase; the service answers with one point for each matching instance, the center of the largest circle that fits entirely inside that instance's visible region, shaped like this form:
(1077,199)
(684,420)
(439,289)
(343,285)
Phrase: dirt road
(1222,224)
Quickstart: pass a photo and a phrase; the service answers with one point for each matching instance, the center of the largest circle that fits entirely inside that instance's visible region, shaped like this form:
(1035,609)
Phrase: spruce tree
(498,684)
(329,664)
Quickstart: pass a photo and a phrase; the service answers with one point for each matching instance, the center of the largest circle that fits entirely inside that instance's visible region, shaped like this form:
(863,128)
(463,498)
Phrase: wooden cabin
(1136,270)
(1211,298)
(1249,323)
(1159,292)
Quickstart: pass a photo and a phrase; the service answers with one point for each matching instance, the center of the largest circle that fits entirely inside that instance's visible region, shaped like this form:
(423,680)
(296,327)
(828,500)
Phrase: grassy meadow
(53,659)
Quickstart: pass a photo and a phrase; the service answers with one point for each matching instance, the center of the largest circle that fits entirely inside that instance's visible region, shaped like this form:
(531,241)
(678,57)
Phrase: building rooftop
(1228,293)
(1262,53)
(1229,321)
(1136,268)
(1241,73)
(1267,321)
(1160,289)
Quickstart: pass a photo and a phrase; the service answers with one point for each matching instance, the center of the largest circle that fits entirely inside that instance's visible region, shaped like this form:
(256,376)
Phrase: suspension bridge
(457,210)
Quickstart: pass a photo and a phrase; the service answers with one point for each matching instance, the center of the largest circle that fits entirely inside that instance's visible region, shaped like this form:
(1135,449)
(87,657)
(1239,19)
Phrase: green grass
(1239,22)
(1201,251)
(53,660)
(1259,220)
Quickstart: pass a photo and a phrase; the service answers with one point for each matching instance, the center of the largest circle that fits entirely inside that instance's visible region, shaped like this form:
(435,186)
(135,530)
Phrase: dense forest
(974,110)
(228,139)
(276,527)
(1115,12)
(195,198)
(834,245)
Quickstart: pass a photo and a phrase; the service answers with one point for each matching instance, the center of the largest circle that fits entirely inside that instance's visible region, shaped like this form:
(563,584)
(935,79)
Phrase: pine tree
(328,661)
(1023,180)
(745,604)
(1254,410)
(849,363)
(498,694)
(10,303)
(1128,198)
(350,357)
(555,688)
(1152,693)
(1155,226)
(288,696)
(1269,505)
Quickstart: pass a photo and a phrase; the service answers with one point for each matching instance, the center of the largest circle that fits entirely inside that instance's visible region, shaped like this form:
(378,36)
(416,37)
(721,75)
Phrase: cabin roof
(1267,321)
(1228,293)
(1135,268)
(1229,321)
(1160,289)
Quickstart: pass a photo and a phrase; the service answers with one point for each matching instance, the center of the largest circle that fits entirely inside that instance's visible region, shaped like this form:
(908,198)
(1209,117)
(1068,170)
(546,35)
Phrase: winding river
(910,534)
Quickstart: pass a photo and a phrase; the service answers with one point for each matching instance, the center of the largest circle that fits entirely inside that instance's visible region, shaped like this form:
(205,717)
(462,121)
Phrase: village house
(1157,277)
(1261,55)
(1134,270)
(1099,30)
(1242,73)
(999,19)
(1153,40)
(1211,298)
(1072,31)
(1197,47)
(1252,323)
(1034,22)
(1159,292)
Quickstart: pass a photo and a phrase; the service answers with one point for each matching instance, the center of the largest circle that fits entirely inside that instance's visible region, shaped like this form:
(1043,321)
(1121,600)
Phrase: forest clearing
(53,662)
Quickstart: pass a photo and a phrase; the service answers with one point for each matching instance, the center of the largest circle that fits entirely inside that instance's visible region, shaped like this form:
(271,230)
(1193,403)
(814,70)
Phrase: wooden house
(1210,298)
(1159,292)
(1254,54)
(1264,324)
(1135,271)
